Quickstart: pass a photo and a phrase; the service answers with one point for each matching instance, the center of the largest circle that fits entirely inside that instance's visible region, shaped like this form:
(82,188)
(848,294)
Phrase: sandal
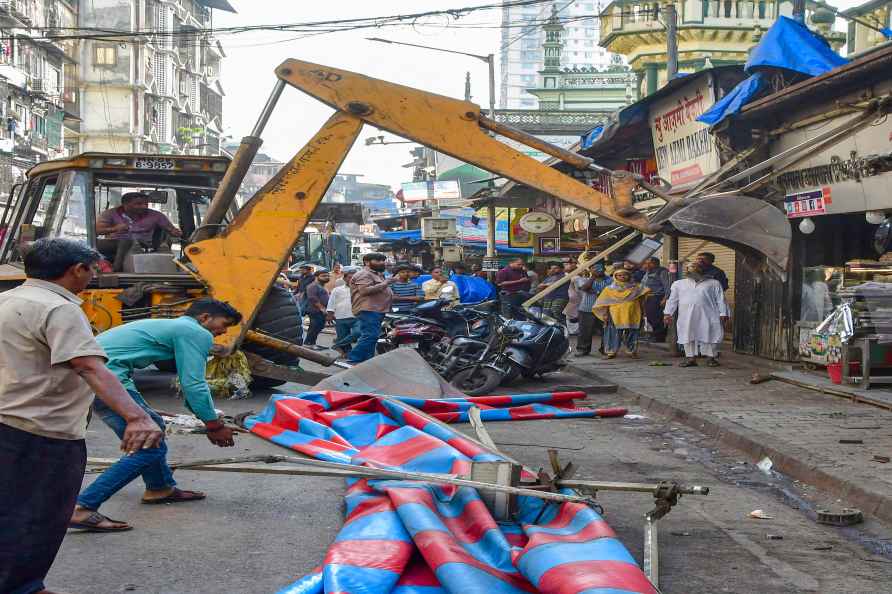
(176,496)
(93,521)
(712,362)
(688,363)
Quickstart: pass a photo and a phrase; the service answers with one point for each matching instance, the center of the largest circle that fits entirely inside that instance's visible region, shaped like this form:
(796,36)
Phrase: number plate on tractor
(154,164)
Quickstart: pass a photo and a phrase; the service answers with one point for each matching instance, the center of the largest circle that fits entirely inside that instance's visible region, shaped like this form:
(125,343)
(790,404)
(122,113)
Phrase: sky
(248,70)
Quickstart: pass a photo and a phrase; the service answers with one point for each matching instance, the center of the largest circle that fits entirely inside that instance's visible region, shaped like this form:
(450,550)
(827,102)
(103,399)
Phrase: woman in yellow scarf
(620,307)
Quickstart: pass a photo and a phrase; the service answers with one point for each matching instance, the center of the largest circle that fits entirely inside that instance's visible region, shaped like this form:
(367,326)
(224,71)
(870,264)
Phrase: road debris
(881,459)
(760,378)
(847,516)
(765,465)
(759,514)
(852,441)
(774,536)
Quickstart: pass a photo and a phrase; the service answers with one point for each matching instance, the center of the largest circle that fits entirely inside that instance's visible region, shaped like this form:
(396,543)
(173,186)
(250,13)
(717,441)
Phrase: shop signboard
(856,172)
(684,148)
(444,191)
(808,204)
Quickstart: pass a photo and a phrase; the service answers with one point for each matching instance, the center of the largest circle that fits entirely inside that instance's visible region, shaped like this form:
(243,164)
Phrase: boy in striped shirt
(406,294)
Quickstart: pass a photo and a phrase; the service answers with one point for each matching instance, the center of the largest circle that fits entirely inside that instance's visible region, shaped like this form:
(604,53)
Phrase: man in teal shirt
(188,340)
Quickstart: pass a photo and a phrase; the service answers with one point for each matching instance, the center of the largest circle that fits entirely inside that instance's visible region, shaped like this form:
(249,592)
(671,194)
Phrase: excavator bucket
(740,220)
(401,371)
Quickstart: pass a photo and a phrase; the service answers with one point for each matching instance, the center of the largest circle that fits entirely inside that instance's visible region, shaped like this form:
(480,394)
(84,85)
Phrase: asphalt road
(258,533)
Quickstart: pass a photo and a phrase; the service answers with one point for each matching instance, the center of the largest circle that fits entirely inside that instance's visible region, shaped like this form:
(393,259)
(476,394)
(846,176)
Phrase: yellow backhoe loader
(235,254)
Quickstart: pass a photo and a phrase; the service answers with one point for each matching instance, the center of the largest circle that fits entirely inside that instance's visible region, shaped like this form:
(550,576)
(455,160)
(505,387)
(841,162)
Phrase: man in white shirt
(699,303)
(340,309)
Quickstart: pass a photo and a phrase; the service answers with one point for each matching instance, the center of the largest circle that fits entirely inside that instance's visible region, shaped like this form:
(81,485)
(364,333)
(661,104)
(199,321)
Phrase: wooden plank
(480,429)
(583,266)
(825,386)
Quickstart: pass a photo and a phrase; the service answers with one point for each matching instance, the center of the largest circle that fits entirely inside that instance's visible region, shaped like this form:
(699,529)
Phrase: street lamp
(489,59)
(491,62)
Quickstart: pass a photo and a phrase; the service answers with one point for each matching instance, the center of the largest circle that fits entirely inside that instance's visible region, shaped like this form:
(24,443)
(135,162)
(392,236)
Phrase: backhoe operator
(134,220)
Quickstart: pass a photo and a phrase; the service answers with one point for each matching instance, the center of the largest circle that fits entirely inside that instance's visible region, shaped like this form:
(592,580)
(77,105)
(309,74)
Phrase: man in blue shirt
(589,284)
(188,340)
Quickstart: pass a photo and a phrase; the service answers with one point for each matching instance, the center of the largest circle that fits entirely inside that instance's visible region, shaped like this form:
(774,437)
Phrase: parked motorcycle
(426,325)
(501,350)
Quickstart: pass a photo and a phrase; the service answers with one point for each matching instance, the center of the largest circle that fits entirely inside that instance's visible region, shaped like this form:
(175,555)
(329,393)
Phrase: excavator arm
(240,263)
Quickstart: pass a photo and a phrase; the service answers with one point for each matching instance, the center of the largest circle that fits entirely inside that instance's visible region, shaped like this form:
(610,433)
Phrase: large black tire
(279,316)
(477,382)
(514,372)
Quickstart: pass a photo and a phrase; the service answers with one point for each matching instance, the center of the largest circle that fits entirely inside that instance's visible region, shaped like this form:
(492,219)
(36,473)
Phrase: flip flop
(176,496)
(91,524)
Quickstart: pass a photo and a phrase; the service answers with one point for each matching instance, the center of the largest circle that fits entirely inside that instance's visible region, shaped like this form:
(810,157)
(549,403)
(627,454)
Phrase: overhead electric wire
(327,26)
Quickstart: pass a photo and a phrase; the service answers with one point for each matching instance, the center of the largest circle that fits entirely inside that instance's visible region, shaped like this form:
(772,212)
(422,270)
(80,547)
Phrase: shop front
(837,198)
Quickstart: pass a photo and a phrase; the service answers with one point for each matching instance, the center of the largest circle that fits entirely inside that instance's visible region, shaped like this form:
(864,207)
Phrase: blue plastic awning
(788,45)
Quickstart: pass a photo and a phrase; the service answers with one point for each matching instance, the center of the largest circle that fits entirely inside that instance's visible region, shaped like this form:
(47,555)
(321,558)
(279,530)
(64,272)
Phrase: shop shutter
(725,258)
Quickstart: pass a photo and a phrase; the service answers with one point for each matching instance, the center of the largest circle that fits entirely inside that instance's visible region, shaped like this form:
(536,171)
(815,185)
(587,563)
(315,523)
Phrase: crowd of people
(614,303)
(355,299)
(628,298)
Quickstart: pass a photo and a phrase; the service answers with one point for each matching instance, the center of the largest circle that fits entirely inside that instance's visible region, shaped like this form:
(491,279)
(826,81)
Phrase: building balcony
(621,20)
(542,122)
(17,13)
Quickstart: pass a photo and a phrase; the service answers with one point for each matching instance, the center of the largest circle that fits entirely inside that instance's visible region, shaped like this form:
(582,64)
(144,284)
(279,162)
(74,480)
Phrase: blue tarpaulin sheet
(473,289)
(788,45)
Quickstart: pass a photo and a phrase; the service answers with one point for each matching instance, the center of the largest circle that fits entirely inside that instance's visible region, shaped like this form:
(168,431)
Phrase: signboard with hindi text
(684,149)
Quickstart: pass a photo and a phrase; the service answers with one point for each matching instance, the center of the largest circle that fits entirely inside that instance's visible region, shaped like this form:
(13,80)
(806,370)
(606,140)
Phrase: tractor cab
(66,197)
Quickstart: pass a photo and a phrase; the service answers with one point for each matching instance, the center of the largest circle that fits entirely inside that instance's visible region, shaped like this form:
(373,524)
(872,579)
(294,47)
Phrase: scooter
(539,347)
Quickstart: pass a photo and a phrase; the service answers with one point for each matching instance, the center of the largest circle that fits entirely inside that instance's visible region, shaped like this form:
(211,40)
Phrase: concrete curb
(790,460)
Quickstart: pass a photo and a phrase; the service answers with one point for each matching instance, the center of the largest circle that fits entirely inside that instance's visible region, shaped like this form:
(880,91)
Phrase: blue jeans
(615,337)
(347,333)
(369,331)
(150,463)
(317,323)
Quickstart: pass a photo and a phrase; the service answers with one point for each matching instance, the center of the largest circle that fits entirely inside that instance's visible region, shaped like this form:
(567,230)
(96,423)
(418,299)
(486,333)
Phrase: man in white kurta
(699,304)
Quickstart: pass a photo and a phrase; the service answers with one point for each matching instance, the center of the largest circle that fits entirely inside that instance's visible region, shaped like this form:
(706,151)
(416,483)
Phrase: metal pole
(238,168)
(268,108)
(491,231)
(651,550)
(671,42)
(491,61)
(799,10)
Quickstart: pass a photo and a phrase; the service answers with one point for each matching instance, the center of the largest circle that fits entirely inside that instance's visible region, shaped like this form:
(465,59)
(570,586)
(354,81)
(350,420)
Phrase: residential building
(37,99)
(877,14)
(521,46)
(710,33)
(157,92)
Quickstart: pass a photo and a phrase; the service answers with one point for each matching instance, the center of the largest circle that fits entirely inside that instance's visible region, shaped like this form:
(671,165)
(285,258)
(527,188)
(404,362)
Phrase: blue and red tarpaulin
(416,538)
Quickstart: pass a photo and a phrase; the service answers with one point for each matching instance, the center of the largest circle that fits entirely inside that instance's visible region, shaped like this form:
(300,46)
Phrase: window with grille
(162,125)
(161,78)
(105,55)
(193,95)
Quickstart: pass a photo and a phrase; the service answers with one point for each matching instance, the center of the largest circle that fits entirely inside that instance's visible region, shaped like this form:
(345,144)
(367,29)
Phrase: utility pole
(799,11)
(671,42)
